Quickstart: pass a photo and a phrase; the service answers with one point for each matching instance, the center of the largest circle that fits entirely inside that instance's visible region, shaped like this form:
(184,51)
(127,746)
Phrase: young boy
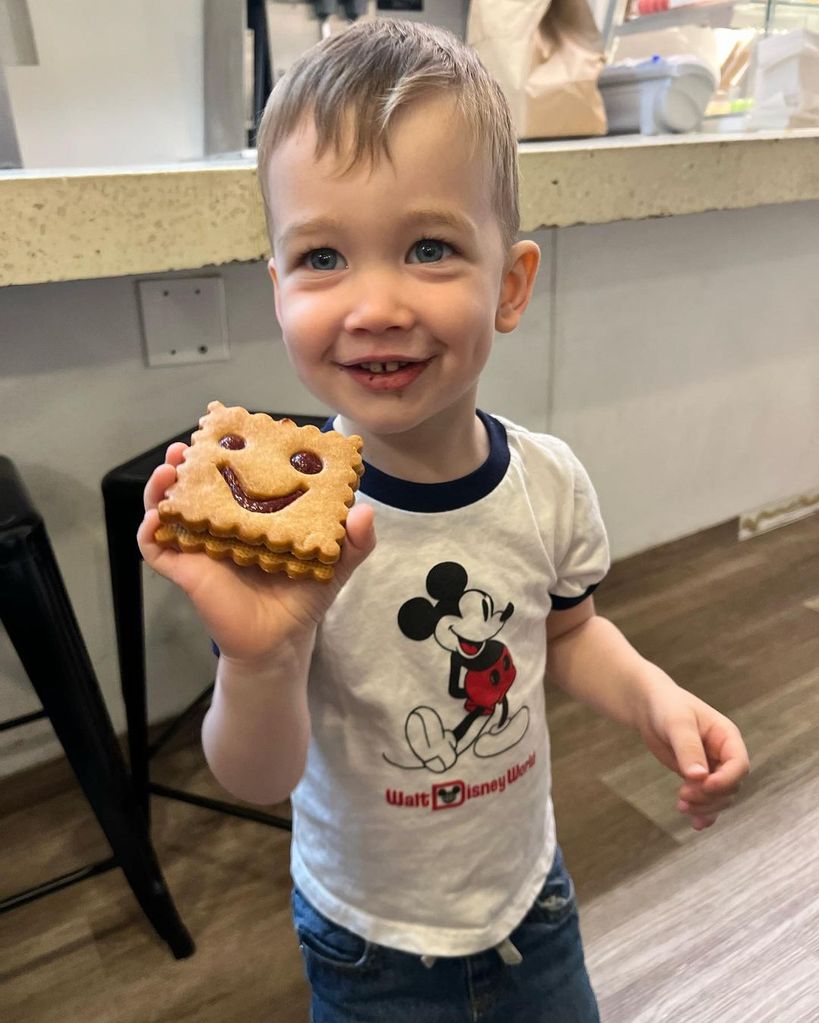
(402,704)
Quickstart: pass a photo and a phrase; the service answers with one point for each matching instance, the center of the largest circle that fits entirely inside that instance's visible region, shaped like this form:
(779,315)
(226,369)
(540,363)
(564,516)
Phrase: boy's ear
(518,280)
(271,269)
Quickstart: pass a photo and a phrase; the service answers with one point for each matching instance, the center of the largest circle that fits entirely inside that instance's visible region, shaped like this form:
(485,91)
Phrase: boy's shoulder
(543,448)
(562,496)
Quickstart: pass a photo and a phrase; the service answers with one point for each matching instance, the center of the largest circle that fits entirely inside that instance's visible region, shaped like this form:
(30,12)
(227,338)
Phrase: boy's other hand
(703,746)
(248,613)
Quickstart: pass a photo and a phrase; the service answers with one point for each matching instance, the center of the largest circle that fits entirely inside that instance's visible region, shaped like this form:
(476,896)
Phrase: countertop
(58,225)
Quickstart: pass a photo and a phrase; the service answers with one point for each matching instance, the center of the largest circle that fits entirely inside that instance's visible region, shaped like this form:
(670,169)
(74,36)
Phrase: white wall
(687,365)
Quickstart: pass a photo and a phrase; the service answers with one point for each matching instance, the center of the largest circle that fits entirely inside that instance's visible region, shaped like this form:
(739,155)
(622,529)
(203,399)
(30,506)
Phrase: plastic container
(658,95)
(788,64)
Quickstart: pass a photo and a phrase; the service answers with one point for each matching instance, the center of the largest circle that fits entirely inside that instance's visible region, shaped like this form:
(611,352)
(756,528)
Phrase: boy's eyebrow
(443,216)
(420,217)
(310,225)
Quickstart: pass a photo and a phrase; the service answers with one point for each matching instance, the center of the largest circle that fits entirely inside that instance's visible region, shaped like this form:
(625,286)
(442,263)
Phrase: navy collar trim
(441,497)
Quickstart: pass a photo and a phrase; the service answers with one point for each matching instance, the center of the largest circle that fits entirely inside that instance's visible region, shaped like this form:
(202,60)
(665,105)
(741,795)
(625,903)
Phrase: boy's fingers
(175,454)
(702,795)
(689,752)
(705,807)
(732,765)
(160,559)
(360,541)
(716,784)
(158,482)
(164,475)
(145,535)
(361,531)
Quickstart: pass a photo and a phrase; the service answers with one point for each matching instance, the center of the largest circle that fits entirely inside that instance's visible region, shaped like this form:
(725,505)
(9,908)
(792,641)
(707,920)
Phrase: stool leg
(57,663)
(126,589)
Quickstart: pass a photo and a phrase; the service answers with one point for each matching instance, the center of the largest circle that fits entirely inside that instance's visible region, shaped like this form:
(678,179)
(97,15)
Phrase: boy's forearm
(256,731)
(597,665)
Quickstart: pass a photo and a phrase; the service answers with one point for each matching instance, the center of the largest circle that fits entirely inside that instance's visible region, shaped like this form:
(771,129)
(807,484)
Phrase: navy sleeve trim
(564,603)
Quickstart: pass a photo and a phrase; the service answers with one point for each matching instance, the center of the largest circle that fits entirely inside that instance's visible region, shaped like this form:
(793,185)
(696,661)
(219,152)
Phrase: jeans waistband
(505,949)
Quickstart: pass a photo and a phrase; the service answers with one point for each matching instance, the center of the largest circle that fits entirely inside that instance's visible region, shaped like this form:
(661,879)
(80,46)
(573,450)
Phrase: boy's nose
(377,305)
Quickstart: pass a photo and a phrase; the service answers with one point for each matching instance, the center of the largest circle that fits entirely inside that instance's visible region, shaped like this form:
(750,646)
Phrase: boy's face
(391,279)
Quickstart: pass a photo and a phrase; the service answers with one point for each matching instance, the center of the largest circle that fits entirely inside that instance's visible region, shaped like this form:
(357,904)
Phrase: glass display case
(627,17)
(766,69)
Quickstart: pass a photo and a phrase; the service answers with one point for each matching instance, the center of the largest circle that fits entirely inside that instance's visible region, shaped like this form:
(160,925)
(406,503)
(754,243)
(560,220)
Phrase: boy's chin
(357,421)
(391,422)
(383,421)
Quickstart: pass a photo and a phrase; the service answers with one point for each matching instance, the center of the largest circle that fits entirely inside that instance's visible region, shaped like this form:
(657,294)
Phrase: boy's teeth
(382,367)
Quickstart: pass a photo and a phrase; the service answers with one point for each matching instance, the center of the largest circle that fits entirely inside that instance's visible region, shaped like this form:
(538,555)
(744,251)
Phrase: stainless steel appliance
(249,44)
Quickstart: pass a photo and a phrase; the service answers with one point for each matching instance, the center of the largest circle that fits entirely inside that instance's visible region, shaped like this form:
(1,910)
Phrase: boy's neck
(435,451)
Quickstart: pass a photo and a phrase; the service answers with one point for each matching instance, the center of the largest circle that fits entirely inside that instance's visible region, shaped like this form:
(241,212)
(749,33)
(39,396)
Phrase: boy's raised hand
(248,612)
(703,746)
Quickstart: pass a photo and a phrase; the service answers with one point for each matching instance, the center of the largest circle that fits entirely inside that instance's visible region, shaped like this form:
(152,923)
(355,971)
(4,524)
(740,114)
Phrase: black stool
(40,621)
(122,490)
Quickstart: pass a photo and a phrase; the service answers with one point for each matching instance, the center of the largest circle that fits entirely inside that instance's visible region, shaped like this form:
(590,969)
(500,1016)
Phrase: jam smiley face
(303,461)
(262,505)
(306,462)
(265,483)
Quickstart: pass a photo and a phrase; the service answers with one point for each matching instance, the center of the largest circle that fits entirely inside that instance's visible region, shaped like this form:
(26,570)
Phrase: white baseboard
(779,513)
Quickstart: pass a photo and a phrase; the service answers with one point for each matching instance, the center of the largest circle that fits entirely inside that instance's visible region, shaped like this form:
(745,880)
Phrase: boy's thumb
(692,762)
(360,539)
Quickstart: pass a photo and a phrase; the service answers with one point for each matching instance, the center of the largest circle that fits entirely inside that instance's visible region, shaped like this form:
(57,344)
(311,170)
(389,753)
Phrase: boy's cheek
(278,307)
(274,279)
(306,335)
(295,355)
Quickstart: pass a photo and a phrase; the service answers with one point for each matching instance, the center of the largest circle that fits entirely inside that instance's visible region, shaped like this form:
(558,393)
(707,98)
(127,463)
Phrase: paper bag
(786,88)
(547,57)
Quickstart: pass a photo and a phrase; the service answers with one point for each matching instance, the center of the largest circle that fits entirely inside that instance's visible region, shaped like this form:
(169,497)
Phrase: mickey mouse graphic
(464,622)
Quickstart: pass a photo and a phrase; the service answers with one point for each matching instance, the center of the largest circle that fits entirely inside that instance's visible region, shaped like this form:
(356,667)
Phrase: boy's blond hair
(354,83)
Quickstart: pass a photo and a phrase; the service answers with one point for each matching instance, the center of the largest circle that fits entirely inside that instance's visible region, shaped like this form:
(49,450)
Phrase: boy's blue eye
(323,259)
(429,250)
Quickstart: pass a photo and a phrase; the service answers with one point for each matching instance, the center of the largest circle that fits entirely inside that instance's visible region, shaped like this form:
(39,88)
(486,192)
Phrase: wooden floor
(682,927)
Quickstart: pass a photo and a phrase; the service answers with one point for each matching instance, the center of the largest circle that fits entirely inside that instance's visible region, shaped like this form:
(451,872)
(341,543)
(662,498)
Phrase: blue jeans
(356,981)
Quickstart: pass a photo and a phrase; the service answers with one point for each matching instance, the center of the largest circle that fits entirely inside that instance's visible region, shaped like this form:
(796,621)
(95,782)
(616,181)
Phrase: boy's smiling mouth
(385,374)
(383,367)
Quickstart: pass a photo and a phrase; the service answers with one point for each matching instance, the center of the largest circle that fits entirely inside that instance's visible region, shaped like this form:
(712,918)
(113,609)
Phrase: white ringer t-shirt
(424,819)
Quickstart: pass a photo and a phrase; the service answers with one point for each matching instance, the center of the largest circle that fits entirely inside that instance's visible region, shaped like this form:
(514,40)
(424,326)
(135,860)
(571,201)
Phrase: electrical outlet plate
(184,320)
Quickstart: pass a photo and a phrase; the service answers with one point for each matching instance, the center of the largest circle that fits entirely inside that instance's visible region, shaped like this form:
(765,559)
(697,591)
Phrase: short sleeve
(584,559)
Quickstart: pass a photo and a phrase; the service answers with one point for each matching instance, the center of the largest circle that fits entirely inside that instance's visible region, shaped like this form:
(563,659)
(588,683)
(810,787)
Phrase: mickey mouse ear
(417,618)
(447,581)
